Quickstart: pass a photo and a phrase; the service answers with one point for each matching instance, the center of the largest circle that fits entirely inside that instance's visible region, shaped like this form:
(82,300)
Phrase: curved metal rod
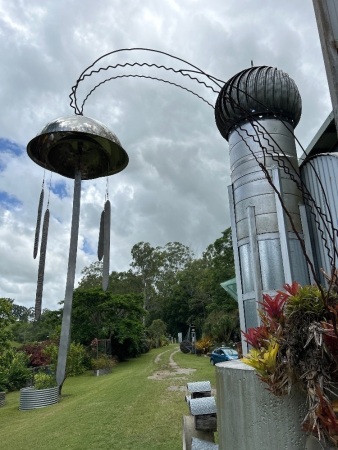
(146,77)
(151,51)
(83,74)
(249,117)
(78,110)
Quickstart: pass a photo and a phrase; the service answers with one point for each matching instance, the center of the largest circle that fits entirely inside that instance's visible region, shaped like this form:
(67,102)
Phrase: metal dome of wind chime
(80,148)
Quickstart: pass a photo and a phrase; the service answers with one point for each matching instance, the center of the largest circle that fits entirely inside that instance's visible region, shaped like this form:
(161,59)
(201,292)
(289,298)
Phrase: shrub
(36,353)
(204,344)
(44,381)
(75,359)
(13,366)
(103,362)
(3,380)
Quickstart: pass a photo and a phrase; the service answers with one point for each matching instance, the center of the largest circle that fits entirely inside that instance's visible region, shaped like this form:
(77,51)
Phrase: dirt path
(170,370)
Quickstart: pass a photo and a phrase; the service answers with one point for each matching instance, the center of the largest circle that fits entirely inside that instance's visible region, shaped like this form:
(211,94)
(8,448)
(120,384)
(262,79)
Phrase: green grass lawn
(122,410)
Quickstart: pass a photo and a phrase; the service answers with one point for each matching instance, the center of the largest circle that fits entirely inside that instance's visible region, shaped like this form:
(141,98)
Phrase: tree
(222,322)
(91,276)
(158,268)
(45,328)
(146,263)
(175,258)
(6,318)
(21,313)
(119,282)
(157,330)
(125,283)
(103,315)
(188,300)
(193,293)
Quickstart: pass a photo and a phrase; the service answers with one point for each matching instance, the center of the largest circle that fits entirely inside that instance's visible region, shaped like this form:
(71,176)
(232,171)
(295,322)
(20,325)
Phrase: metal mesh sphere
(258,91)
(73,143)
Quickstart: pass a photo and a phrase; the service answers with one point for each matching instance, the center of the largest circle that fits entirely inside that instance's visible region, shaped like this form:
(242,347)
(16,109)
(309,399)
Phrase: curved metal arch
(184,72)
(145,77)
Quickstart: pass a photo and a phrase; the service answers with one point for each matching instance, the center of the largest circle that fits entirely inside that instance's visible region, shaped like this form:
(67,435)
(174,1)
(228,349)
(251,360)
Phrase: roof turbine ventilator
(256,92)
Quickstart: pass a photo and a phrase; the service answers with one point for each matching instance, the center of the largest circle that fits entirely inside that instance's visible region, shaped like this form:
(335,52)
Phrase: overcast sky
(175,186)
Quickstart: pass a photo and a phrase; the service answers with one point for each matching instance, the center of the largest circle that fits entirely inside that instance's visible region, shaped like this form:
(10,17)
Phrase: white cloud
(175,187)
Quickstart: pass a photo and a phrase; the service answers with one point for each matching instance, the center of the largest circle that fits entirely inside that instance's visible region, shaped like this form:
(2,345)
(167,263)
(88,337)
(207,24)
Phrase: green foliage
(3,380)
(91,276)
(146,263)
(6,318)
(307,300)
(156,334)
(103,315)
(175,288)
(157,329)
(103,362)
(76,358)
(21,313)
(223,326)
(13,366)
(44,380)
(196,296)
(124,411)
(45,328)
(120,283)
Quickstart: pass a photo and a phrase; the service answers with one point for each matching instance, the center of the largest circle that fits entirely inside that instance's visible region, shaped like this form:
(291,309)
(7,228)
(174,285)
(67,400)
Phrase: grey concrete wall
(250,417)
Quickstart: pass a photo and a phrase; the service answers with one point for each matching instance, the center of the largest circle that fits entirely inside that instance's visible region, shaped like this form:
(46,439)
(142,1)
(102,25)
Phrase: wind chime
(43,248)
(80,148)
(103,248)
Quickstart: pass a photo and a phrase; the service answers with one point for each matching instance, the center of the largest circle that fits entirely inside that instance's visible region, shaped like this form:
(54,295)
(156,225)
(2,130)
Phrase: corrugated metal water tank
(320,175)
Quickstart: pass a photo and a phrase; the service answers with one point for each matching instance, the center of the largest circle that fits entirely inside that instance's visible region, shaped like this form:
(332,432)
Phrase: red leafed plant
(36,353)
(272,309)
(292,289)
(257,337)
(298,339)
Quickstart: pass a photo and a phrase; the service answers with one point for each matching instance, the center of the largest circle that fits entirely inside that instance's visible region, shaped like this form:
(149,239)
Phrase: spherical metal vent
(257,92)
(76,143)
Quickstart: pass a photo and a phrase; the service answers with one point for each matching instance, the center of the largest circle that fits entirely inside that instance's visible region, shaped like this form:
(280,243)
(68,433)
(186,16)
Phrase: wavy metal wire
(192,74)
(184,72)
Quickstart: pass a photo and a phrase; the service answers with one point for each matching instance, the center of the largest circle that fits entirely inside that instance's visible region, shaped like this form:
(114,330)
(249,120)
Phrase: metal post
(282,226)
(256,265)
(307,239)
(67,308)
(237,267)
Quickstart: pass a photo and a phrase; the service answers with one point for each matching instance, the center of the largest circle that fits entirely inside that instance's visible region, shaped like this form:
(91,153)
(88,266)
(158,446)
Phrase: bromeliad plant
(297,342)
